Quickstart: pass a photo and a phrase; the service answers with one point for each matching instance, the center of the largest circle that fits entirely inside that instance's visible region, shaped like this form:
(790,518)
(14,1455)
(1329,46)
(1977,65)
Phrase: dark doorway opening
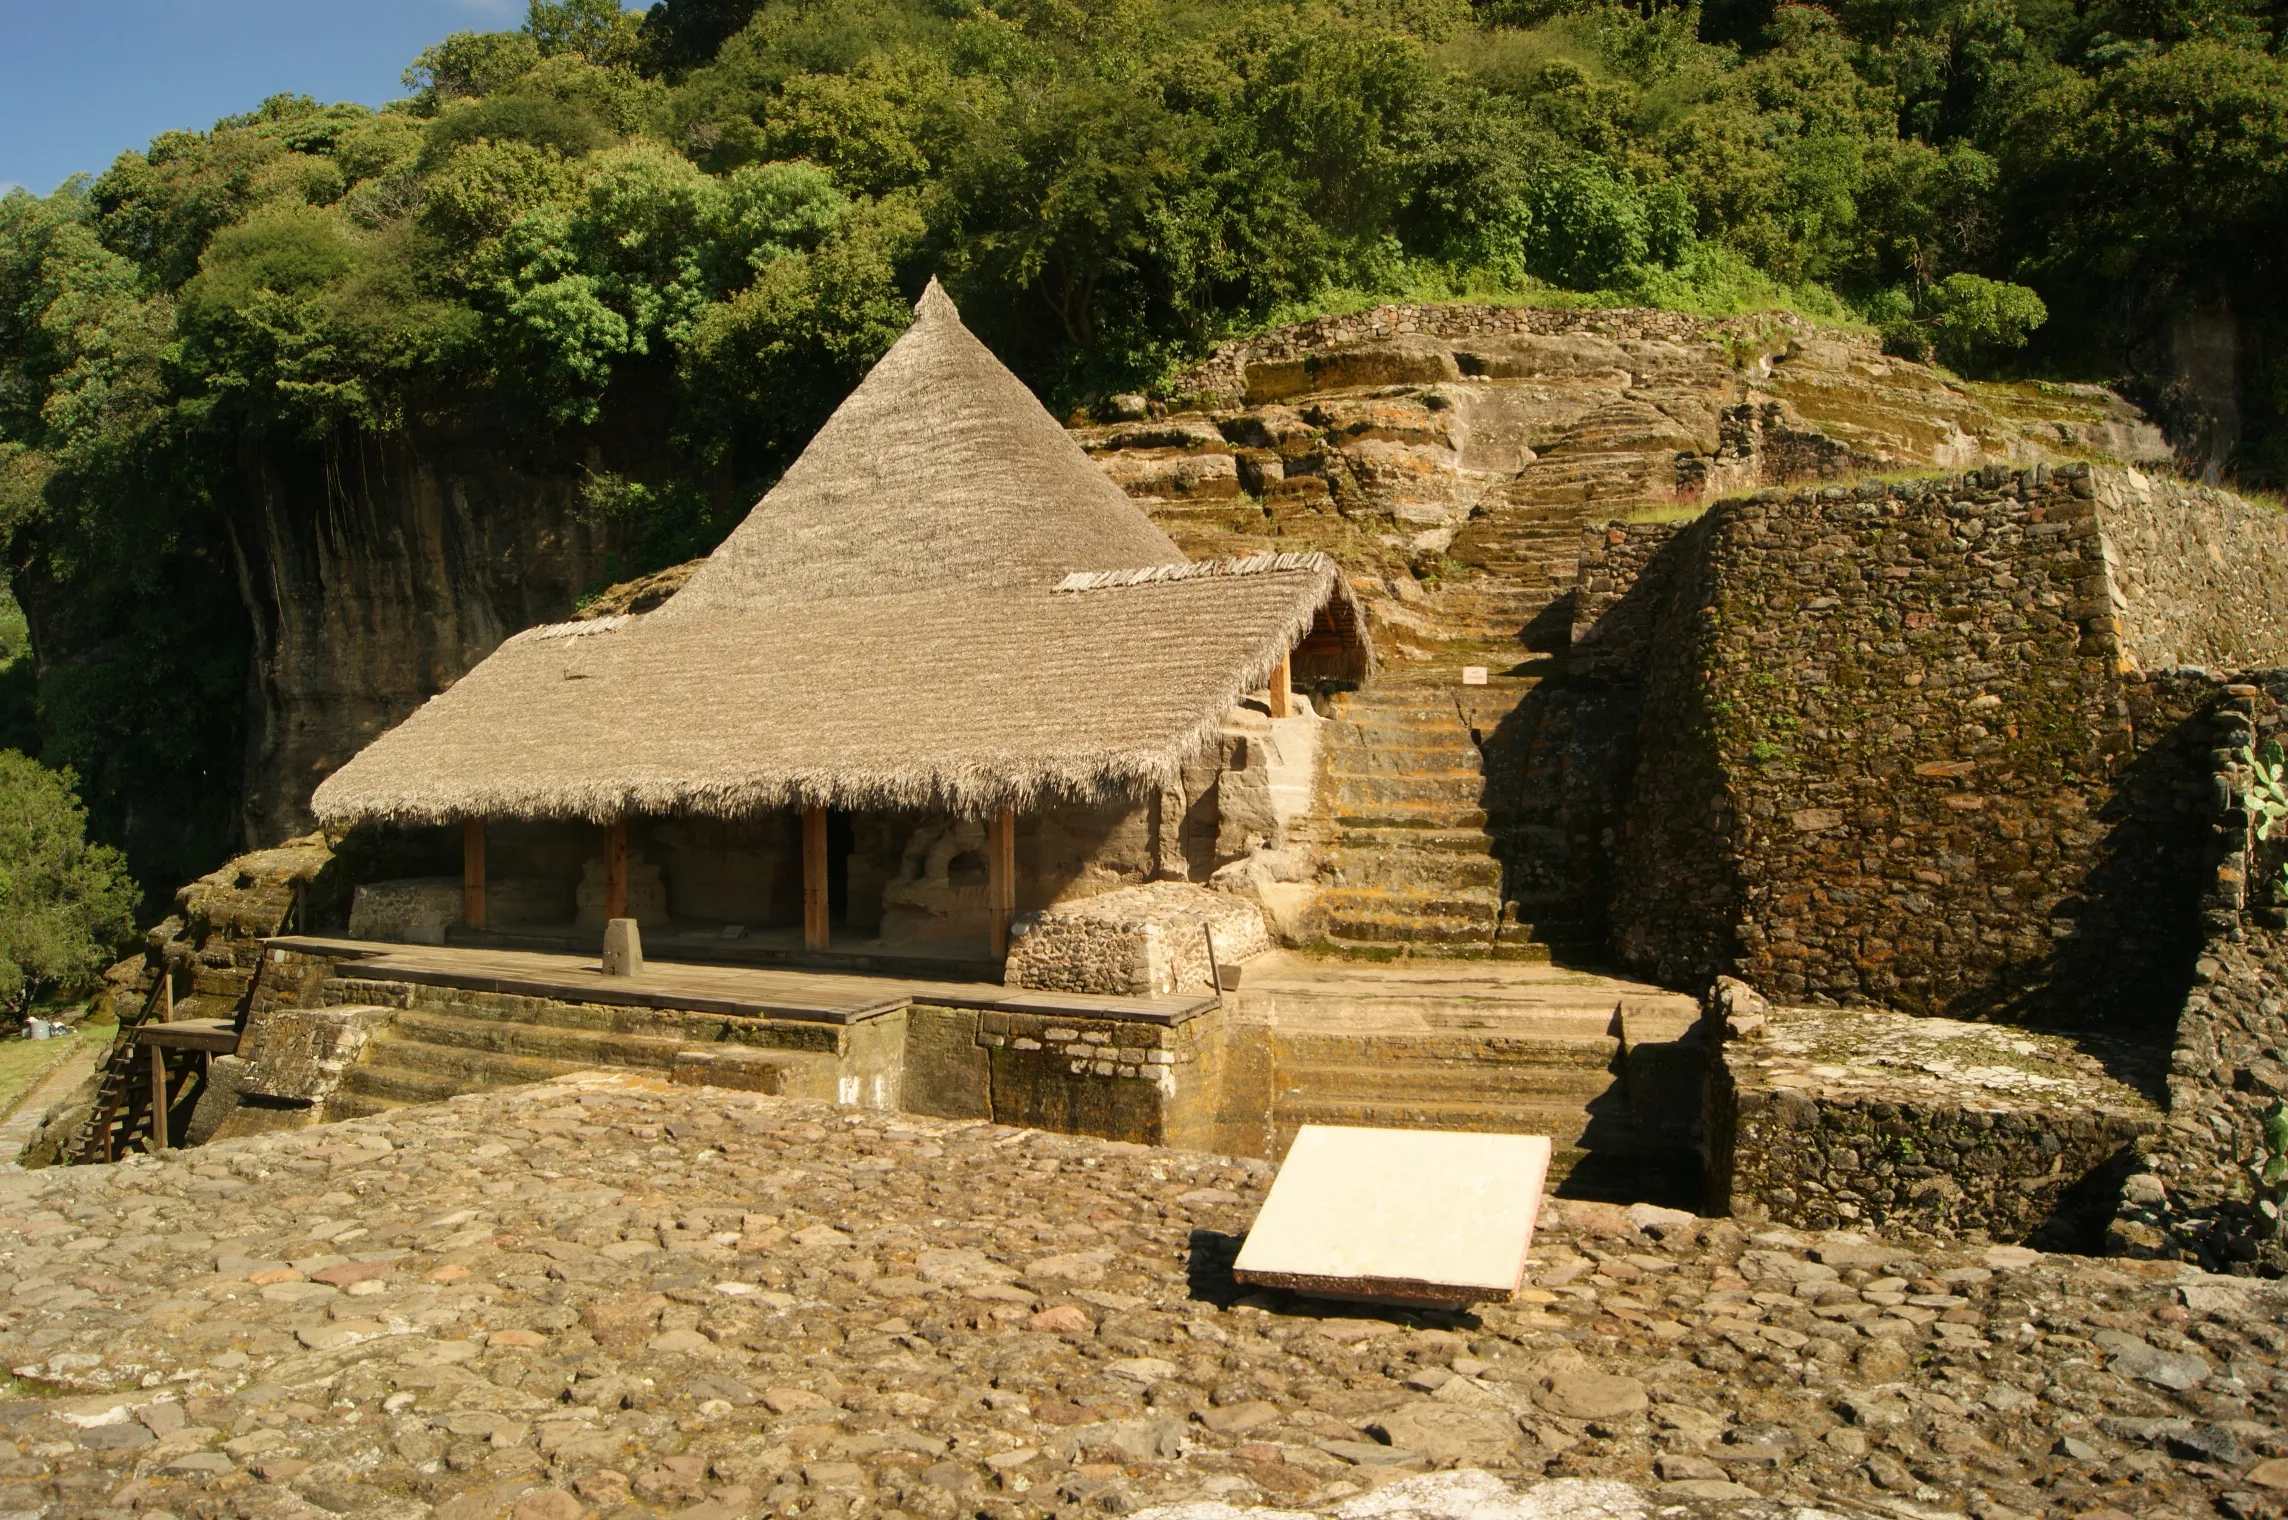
(841,839)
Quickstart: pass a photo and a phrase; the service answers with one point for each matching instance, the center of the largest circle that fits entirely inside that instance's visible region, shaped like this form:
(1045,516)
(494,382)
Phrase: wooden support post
(1282,677)
(158,1099)
(473,872)
(814,904)
(616,870)
(167,993)
(1001,877)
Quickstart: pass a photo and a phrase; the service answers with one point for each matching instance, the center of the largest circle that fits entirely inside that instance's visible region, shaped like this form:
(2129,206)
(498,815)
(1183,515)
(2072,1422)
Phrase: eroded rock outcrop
(1452,457)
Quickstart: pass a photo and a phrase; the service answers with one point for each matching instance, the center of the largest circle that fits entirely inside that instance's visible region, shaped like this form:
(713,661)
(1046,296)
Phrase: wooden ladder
(122,1111)
(142,1083)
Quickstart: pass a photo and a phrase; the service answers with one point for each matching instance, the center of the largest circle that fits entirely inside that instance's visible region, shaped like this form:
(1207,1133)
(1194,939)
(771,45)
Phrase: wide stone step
(1487,1050)
(1384,952)
(1448,841)
(586,1046)
(1397,728)
(1455,763)
(1455,1082)
(1563,1123)
(383,1077)
(465,1068)
(1368,816)
(1459,789)
(1434,921)
(1420,876)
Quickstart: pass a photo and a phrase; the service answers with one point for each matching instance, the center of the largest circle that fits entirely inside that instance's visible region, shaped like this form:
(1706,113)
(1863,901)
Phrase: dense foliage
(720,209)
(65,905)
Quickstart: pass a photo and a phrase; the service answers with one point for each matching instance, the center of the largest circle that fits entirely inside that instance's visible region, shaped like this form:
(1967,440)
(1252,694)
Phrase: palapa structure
(943,613)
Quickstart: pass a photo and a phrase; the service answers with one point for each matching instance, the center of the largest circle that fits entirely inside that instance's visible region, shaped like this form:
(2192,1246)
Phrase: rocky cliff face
(1424,420)
(374,577)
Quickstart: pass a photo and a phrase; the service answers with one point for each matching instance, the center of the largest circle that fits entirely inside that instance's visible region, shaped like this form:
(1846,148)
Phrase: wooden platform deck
(761,992)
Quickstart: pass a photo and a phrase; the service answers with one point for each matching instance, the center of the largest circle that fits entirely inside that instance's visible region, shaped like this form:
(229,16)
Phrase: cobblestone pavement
(612,1297)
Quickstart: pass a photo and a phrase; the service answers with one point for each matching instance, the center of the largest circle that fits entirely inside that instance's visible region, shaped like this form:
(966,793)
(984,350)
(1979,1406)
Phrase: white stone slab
(1399,1215)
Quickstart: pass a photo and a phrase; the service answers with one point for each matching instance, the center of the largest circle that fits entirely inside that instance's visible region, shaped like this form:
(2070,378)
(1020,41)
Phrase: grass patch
(1677,511)
(24,1062)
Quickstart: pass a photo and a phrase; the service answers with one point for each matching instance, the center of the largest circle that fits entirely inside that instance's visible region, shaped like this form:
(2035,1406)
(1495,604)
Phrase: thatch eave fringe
(973,787)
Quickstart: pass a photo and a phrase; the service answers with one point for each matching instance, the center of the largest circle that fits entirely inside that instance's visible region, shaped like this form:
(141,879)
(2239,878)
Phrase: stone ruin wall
(2199,577)
(1626,575)
(1891,754)
(1674,890)
(2229,1060)
(1976,745)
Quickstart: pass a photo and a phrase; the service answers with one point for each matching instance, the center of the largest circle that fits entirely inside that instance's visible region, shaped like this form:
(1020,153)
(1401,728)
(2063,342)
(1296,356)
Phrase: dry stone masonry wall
(1897,714)
(1845,1119)
(2230,1057)
(2198,577)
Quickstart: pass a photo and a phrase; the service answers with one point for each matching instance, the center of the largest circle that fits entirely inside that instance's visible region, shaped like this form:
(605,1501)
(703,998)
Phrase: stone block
(414,911)
(1399,1216)
(731,1066)
(1141,941)
(1846,1118)
(300,1055)
(623,948)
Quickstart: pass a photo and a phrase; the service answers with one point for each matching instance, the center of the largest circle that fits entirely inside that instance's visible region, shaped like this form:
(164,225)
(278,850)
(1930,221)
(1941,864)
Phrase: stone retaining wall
(2230,1057)
(1829,1119)
(1112,1077)
(1676,895)
(2198,575)
(1626,572)
(1895,754)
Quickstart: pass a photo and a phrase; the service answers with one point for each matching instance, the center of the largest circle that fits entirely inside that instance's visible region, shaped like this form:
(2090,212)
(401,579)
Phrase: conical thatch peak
(940,470)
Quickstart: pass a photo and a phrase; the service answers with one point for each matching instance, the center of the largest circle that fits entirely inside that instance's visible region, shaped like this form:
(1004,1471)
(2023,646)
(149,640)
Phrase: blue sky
(86,79)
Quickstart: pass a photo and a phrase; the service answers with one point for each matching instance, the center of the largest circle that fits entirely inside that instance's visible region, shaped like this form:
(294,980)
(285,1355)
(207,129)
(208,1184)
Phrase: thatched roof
(919,614)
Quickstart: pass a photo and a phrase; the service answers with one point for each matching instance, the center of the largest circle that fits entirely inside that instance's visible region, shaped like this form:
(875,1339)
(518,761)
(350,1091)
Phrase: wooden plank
(1282,683)
(158,1099)
(1001,878)
(616,869)
(815,929)
(189,1034)
(473,872)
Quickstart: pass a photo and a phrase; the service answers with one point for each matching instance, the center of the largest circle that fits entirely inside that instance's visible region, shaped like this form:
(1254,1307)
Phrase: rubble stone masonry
(1898,745)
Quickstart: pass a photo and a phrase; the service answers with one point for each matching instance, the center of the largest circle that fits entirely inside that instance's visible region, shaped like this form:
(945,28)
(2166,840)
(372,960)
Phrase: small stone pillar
(623,947)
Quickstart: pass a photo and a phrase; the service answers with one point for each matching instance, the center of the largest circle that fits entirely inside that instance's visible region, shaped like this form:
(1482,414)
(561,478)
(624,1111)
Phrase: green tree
(597,30)
(66,905)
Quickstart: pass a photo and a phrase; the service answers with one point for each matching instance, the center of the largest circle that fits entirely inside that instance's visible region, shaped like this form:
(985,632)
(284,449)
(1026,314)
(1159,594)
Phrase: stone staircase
(1609,1070)
(1446,837)
(444,1041)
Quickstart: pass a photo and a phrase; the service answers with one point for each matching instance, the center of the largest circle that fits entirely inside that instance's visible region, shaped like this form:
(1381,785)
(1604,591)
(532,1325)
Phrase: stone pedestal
(623,948)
